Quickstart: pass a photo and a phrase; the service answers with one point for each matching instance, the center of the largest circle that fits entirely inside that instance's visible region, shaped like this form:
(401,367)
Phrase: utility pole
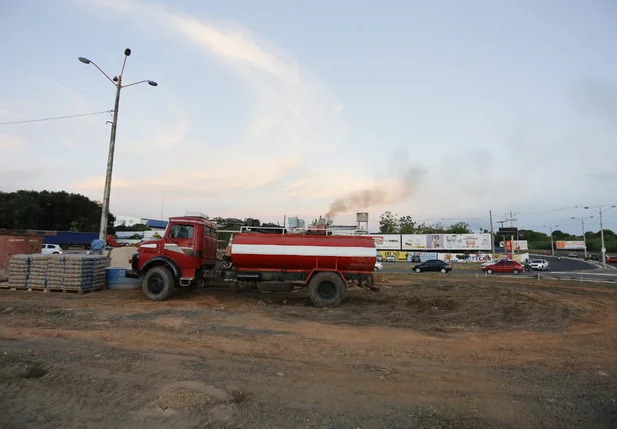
(490,215)
(600,211)
(117,82)
(162,205)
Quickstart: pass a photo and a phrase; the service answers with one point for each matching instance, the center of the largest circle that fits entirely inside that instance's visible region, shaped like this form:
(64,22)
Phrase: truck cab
(180,258)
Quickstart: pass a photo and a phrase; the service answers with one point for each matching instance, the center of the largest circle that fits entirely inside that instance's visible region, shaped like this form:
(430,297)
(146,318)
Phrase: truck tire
(327,289)
(159,284)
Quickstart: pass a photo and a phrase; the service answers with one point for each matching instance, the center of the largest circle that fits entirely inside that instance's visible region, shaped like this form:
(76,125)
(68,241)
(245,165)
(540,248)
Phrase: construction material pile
(19,269)
(58,272)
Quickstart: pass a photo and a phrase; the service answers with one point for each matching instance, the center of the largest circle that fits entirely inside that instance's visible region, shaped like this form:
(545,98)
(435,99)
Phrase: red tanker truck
(186,257)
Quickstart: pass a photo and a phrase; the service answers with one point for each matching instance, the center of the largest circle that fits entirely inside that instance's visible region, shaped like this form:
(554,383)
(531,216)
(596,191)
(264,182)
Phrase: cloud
(98,183)
(290,110)
(8,142)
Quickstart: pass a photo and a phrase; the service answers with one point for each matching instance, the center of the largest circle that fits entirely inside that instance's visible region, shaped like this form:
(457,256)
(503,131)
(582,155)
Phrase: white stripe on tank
(269,249)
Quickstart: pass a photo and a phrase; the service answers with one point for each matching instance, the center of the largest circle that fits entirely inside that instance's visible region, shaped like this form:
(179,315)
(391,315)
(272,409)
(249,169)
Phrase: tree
(134,227)
(53,211)
(458,228)
(436,228)
(406,225)
(388,223)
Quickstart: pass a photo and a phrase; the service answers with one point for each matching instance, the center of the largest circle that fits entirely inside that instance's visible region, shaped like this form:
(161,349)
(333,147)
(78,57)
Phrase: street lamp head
(586,208)
(84,60)
(127,52)
(115,79)
(152,83)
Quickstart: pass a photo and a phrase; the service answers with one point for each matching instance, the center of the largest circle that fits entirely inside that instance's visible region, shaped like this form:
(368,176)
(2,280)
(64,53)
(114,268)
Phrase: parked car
(378,266)
(539,264)
(379,257)
(390,258)
(504,266)
(546,253)
(611,259)
(435,265)
(415,258)
(51,249)
(593,258)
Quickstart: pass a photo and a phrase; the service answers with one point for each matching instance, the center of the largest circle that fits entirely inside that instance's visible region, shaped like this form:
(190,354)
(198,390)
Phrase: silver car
(539,264)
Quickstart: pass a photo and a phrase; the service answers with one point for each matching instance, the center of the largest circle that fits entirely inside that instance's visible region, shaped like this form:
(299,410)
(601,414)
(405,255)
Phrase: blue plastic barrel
(115,278)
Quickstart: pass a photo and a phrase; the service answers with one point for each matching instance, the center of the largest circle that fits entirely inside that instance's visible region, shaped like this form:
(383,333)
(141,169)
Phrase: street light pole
(583,227)
(550,227)
(110,166)
(600,211)
(117,82)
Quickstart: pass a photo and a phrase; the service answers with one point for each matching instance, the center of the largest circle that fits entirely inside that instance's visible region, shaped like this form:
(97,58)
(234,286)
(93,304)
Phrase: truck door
(209,247)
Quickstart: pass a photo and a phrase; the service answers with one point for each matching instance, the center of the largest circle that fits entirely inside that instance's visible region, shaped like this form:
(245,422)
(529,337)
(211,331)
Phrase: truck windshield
(182,231)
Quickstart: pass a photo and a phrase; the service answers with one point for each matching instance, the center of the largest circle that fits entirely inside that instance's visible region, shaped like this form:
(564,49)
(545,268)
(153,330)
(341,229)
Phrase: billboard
(446,241)
(518,245)
(387,241)
(413,241)
(570,245)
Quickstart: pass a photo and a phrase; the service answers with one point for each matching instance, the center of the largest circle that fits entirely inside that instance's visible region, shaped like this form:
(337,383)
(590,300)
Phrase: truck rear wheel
(327,289)
(159,284)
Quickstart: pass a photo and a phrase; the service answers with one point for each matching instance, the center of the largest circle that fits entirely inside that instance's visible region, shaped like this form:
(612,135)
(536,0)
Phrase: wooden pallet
(35,289)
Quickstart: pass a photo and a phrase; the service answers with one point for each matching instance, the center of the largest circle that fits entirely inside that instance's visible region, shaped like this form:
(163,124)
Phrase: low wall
(15,245)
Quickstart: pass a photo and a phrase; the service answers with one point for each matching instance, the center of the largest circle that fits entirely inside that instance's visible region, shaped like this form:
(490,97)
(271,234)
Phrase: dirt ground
(424,352)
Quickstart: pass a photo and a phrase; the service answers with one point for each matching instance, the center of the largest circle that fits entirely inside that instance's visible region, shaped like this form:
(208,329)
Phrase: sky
(438,110)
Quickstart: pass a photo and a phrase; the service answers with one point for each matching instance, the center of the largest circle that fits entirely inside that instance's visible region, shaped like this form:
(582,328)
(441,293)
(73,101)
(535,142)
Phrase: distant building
(154,224)
(129,221)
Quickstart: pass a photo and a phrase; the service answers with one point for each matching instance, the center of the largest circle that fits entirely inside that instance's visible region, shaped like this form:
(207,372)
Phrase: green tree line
(54,211)
(390,223)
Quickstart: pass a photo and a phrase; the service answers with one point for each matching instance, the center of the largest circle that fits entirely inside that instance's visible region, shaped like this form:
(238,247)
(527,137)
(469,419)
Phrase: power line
(55,118)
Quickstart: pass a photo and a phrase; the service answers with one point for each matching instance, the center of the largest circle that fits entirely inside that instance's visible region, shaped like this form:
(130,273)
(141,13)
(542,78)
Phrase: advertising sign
(570,245)
(467,241)
(387,241)
(518,245)
(446,241)
(413,241)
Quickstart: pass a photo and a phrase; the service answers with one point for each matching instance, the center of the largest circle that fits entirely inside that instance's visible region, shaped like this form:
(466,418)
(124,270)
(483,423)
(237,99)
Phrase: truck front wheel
(159,284)
(327,289)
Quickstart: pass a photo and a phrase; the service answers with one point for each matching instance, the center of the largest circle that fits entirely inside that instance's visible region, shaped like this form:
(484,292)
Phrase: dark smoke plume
(390,191)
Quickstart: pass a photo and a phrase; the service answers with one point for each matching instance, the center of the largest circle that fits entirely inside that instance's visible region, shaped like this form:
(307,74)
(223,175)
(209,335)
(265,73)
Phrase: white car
(539,264)
(51,249)
(378,266)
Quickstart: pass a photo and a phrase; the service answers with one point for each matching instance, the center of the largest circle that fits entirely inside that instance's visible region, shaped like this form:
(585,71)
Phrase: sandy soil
(424,352)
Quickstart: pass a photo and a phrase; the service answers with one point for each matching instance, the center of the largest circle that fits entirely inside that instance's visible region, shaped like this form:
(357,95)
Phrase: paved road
(560,268)
(566,264)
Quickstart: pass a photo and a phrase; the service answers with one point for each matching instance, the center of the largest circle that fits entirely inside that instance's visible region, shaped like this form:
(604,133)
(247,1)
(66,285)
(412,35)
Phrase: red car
(504,266)
(611,259)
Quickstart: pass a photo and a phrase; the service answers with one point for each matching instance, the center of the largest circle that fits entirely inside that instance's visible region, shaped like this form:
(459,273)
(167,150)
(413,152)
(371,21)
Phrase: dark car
(435,265)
